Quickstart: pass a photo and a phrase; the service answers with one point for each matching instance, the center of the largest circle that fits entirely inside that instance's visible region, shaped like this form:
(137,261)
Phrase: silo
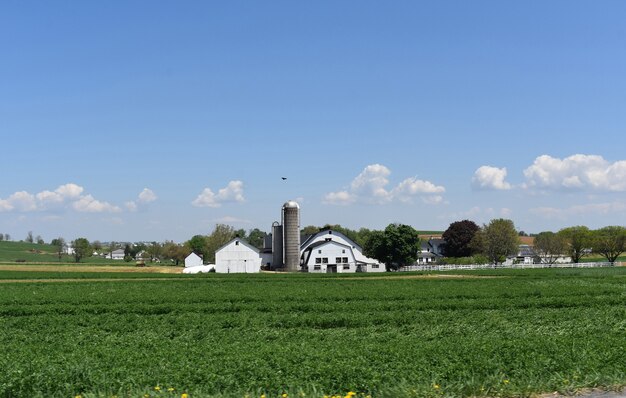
(291,236)
(277,245)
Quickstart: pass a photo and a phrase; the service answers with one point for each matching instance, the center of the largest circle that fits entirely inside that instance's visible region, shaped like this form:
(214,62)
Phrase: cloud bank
(68,196)
(371,186)
(490,178)
(232,193)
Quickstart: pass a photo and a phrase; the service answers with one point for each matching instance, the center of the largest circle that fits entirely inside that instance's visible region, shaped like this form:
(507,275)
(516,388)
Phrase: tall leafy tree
(395,247)
(609,241)
(174,252)
(59,245)
(577,240)
(29,237)
(82,249)
(499,240)
(256,238)
(549,246)
(458,237)
(198,244)
(221,235)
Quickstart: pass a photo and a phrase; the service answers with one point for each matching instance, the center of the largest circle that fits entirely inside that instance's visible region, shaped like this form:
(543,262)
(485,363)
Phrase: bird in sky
(284,178)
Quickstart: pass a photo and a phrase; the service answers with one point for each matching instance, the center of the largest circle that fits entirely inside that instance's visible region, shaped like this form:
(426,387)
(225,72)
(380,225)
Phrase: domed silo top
(291,205)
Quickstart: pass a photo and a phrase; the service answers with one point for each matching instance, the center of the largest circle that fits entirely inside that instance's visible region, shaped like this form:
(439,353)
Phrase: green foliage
(521,333)
(396,246)
(609,241)
(459,237)
(82,249)
(550,246)
(578,240)
(499,240)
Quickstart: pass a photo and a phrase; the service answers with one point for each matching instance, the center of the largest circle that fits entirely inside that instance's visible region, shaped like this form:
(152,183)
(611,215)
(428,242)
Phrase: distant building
(117,254)
(193,260)
(237,256)
(329,252)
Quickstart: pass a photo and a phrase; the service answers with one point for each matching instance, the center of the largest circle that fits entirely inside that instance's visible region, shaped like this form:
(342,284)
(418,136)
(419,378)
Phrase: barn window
(319,252)
(346,266)
(325,260)
(318,260)
(345,259)
(237,243)
(338,260)
(374,265)
(317,267)
(343,251)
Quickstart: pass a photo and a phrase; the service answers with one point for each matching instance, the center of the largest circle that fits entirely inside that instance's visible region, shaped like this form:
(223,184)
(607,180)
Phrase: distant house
(193,260)
(237,256)
(117,254)
(430,250)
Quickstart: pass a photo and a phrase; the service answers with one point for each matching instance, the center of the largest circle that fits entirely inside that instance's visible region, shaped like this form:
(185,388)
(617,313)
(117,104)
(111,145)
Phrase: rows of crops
(509,334)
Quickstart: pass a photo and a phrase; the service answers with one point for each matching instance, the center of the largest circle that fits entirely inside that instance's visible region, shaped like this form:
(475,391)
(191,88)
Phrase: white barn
(237,256)
(330,251)
(193,260)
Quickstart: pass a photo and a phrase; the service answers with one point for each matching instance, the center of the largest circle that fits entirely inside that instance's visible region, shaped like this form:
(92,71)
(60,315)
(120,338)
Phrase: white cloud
(490,178)
(370,186)
(147,196)
(19,201)
(339,198)
(88,204)
(576,172)
(232,193)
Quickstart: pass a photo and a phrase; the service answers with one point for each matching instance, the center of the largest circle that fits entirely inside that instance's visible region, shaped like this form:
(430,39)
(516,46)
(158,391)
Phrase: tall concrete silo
(277,246)
(291,236)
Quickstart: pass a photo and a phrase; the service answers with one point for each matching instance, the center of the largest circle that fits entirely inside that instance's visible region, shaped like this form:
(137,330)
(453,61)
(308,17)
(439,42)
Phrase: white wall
(331,251)
(358,255)
(193,260)
(237,256)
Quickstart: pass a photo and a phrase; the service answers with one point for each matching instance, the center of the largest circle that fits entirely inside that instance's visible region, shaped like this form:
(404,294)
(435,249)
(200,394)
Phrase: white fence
(452,267)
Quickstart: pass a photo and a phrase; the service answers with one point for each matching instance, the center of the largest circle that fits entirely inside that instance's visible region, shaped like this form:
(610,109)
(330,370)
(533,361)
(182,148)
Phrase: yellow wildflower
(184,395)
(506,381)
(157,388)
(436,386)
(263,396)
(171,389)
(284,395)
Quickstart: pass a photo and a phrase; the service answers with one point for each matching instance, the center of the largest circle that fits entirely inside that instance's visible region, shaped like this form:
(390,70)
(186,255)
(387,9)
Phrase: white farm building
(237,256)
(329,252)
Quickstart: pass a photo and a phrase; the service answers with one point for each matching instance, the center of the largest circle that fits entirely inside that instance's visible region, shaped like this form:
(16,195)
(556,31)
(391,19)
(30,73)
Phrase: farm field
(487,333)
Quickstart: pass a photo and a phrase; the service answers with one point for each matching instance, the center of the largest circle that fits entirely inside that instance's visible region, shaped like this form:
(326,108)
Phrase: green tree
(310,230)
(154,251)
(395,247)
(549,246)
(458,237)
(174,252)
(59,245)
(256,238)
(499,240)
(198,244)
(29,237)
(1,237)
(609,241)
(577,240)
(39,240)
(82,249)
(221,235)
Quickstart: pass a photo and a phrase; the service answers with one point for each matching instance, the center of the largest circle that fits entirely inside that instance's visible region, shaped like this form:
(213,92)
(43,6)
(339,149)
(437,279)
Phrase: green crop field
(488,333)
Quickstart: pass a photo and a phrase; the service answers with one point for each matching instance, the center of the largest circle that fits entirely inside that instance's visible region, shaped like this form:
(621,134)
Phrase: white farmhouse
(117,254)
(237,256)
(330,251)
(193,260)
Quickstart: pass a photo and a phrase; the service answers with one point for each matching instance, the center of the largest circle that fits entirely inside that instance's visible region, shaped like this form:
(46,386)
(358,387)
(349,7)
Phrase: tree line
(396,246)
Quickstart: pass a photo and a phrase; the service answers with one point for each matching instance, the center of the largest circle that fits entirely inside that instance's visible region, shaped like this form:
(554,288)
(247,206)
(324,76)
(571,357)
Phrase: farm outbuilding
(193,260)
(331,251)
(237,256)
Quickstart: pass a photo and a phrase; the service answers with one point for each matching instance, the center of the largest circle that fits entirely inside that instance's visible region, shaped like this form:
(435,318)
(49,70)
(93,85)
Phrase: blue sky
(143,120)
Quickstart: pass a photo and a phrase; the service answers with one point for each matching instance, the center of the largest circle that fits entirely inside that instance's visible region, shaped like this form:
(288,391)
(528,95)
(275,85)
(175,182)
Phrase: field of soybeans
(488,333)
